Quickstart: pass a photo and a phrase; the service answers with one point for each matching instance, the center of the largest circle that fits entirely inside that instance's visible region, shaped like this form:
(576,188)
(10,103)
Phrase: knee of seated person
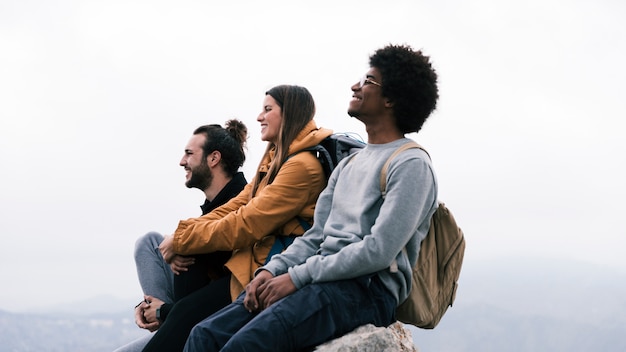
(148,241)
(197,332)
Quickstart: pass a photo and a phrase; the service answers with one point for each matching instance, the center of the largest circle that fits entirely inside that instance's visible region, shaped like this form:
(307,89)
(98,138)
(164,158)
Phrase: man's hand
(149,312)
(180,263)
(251,302)
(274,289)
(141,320)
(265,290)
(167,249)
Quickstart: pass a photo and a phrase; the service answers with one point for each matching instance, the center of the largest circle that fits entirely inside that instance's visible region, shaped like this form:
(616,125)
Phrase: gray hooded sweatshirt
(355,232)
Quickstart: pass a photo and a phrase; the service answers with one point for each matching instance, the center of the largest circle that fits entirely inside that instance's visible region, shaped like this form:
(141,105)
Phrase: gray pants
(137,345)
(155,277)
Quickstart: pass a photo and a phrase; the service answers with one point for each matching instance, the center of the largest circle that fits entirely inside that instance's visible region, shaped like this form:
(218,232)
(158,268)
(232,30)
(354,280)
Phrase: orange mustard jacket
(248,226)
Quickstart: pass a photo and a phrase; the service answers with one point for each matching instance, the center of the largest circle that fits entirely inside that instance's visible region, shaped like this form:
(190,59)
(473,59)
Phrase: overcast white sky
(98,99)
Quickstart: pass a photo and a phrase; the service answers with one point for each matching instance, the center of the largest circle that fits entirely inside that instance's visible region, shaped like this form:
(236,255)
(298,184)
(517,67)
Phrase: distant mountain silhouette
(63,332)
(91,305)
(512,304)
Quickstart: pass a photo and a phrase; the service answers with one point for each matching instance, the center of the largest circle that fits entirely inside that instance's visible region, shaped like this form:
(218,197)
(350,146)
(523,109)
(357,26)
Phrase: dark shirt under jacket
(208,267)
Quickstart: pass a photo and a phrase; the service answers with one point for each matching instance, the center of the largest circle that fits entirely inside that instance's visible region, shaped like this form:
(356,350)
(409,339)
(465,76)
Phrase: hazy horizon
(513,305)
(98,100)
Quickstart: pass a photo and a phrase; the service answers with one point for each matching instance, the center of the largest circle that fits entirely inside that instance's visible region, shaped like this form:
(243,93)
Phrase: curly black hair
(410,82)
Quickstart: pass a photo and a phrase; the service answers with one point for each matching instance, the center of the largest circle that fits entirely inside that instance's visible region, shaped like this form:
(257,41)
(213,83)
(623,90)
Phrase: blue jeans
(310,316)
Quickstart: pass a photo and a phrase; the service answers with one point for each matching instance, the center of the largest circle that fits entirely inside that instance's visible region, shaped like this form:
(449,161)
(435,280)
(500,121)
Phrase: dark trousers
(189,311)
(196,275)
(310,316)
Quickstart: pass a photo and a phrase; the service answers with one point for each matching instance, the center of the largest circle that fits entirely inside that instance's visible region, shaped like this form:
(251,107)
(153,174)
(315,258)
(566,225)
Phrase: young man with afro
(350,268)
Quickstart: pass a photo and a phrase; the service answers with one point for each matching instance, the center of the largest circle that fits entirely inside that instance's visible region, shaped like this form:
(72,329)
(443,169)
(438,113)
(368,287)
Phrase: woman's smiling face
(270,118)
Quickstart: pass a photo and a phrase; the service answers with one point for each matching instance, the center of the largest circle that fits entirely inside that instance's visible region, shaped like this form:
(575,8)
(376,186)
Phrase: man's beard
(201,177)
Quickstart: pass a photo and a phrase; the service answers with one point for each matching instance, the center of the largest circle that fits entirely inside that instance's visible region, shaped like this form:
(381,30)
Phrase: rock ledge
(369,338)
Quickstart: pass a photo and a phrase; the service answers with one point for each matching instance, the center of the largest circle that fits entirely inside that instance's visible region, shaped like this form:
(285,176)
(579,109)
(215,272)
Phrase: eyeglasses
(365,80)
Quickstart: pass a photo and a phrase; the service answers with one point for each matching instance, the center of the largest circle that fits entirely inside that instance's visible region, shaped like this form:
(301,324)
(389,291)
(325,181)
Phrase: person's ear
(388,103)
(214,158)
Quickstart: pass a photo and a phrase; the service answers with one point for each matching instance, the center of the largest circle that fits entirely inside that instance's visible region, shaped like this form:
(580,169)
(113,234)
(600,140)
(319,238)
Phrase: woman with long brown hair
(276,204)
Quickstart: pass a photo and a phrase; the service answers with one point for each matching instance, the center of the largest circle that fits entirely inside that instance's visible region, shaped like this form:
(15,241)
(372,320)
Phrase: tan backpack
(436,272)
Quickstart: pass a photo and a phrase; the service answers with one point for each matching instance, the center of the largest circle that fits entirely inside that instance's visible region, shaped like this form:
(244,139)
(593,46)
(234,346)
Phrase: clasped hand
(265,290)
(145,313)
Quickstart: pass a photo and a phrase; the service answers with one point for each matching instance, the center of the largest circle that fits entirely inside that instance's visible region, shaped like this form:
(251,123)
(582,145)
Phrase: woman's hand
(180,263)
(167,249)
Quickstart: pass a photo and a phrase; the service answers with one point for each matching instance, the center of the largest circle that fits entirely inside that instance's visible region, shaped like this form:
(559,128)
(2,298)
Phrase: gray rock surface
(369,338)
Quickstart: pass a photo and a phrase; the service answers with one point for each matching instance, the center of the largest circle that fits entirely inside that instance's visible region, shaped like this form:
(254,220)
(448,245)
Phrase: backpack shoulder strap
(383,172)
